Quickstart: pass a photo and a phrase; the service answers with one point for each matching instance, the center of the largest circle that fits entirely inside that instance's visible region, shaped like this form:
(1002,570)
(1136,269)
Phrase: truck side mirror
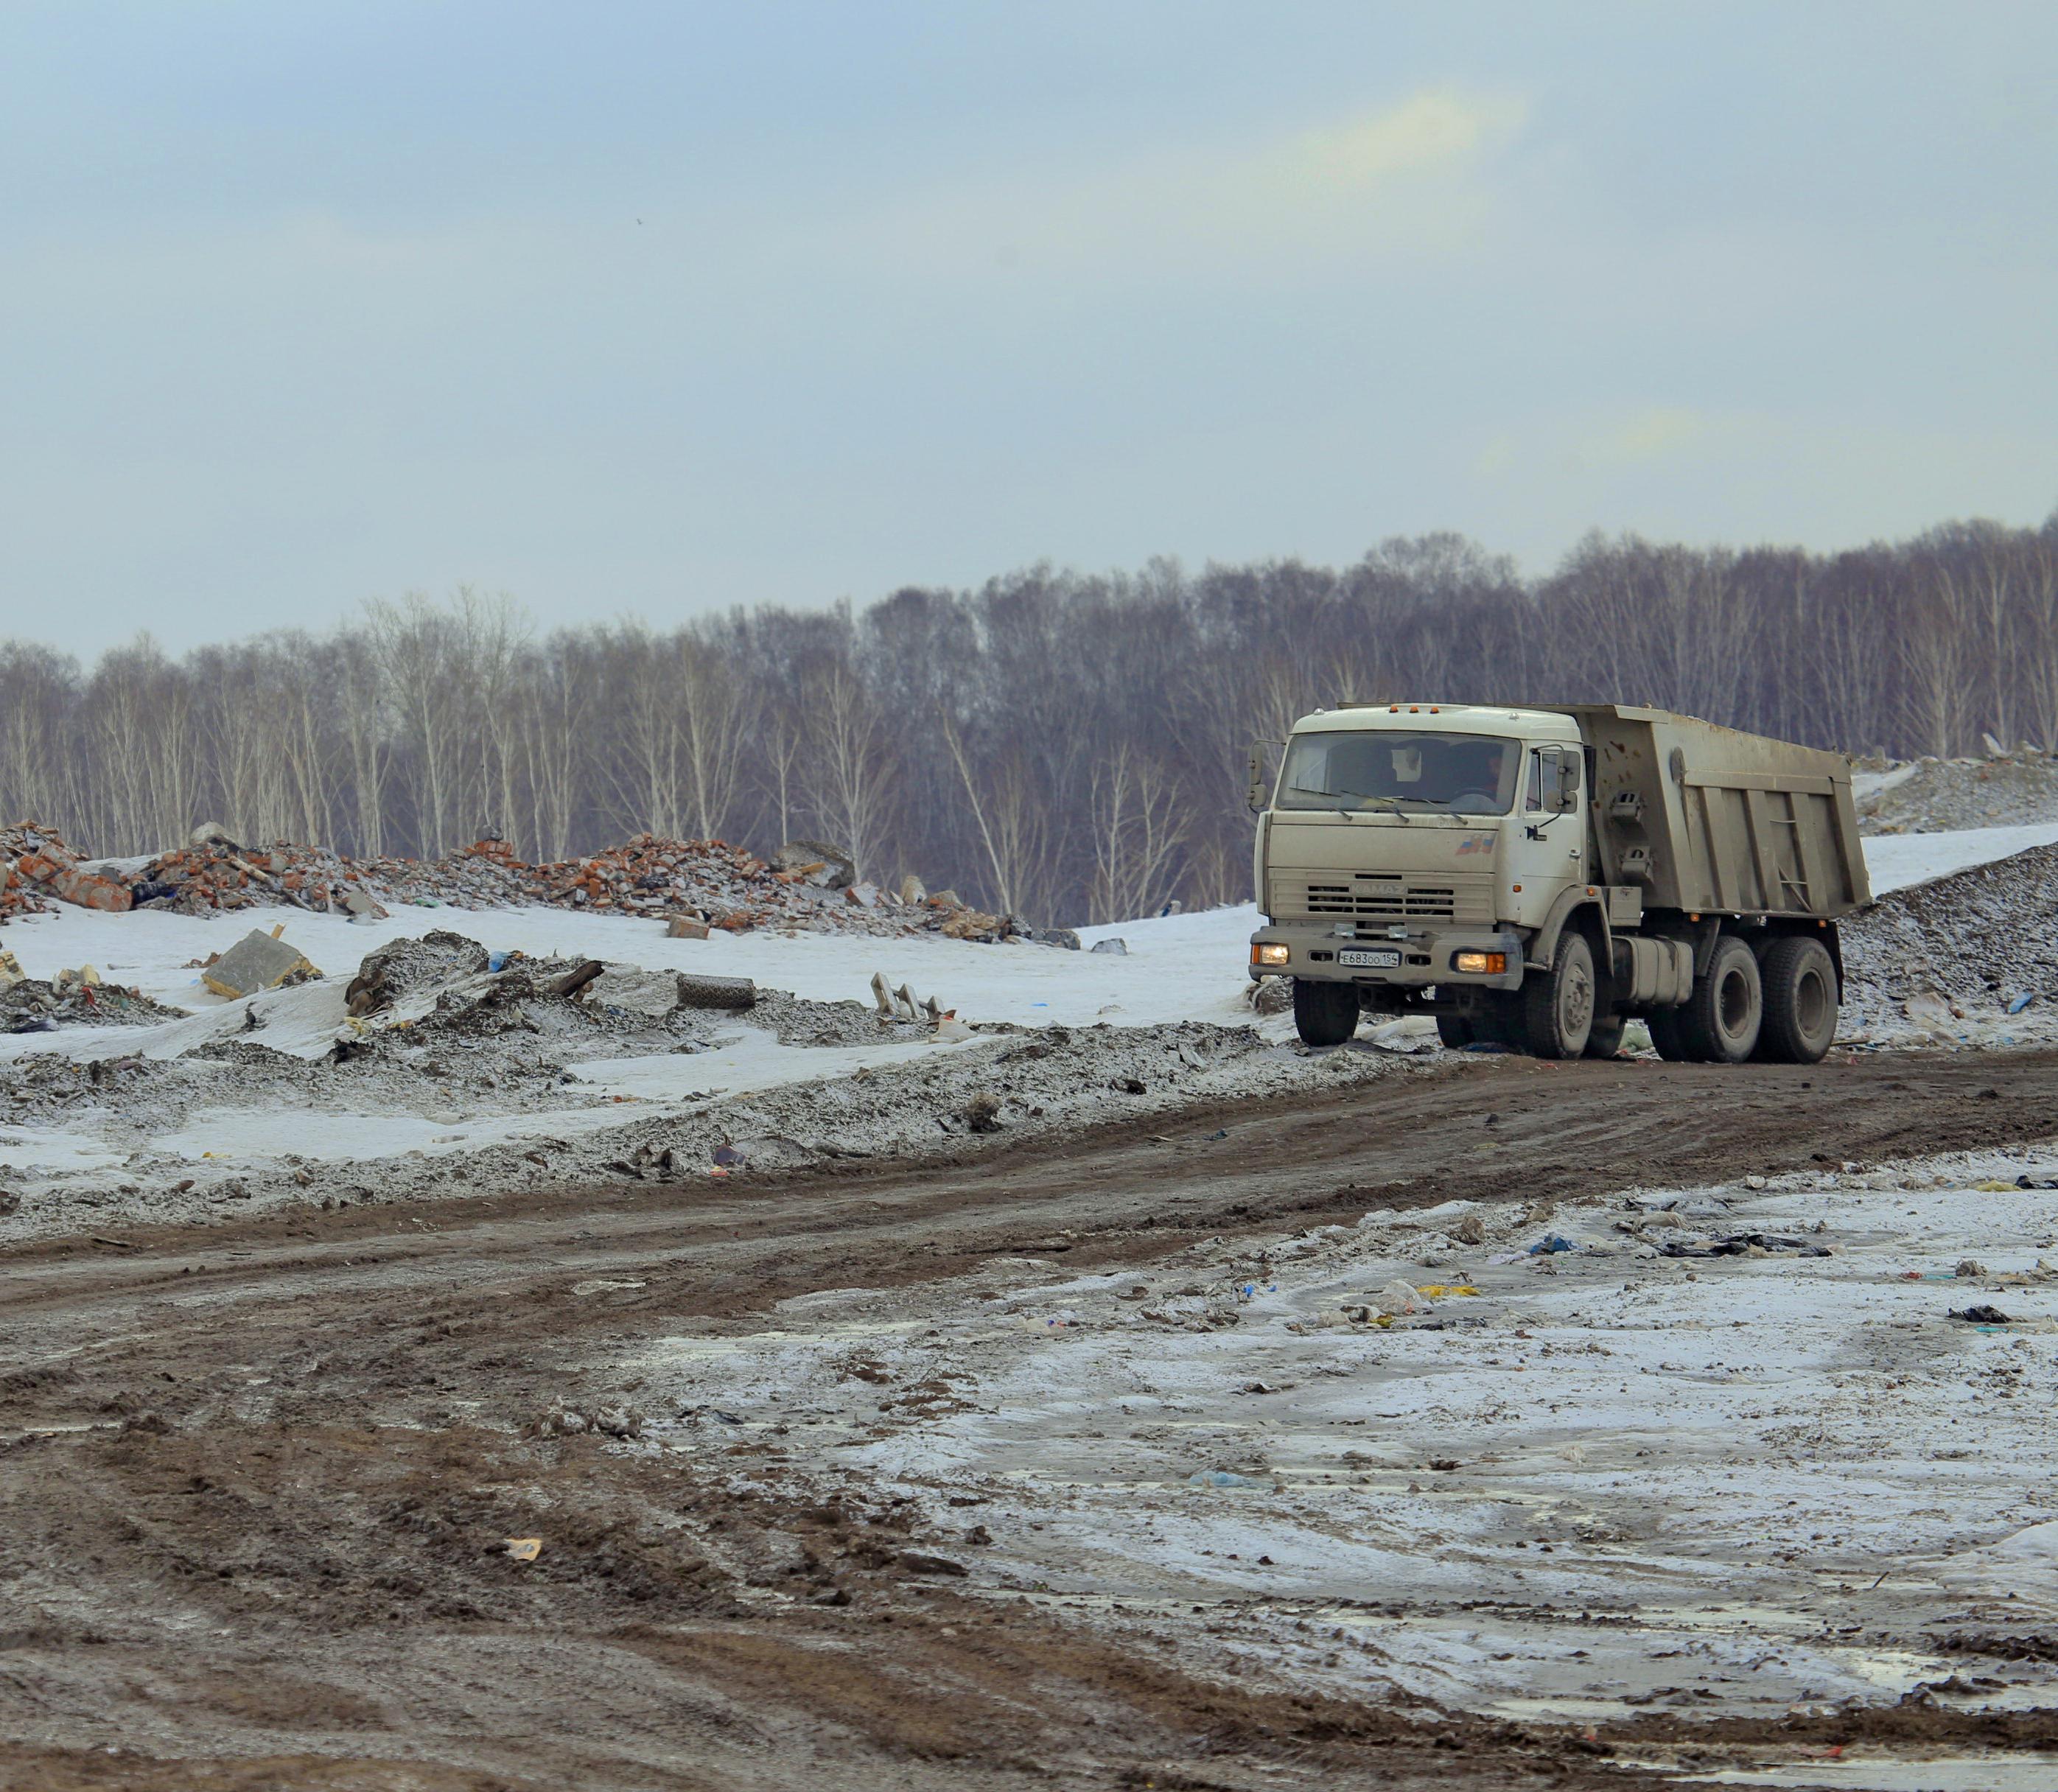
(1260,793)
(1568,780)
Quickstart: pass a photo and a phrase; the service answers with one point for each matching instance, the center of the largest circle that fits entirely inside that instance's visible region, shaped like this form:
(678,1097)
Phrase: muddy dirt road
(257,1481)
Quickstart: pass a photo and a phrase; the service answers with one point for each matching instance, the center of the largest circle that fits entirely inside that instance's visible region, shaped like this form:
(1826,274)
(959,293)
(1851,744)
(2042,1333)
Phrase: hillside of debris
(1941,795)
(696,885)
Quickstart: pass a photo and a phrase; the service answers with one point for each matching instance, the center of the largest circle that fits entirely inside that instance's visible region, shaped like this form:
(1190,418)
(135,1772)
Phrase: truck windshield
(1452,774)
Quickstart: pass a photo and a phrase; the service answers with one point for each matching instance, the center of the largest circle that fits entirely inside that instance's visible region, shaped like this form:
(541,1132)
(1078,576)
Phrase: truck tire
(1800,1001)
(1558,1005)
(1324,1014)
(1719,1023)
(1605,1040)
(1455,1031)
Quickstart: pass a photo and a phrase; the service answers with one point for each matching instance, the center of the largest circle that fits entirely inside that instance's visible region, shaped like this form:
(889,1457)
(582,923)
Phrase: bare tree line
(1058,746)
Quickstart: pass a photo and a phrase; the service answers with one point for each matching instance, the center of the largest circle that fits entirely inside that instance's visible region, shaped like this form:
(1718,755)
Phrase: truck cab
(1420,841)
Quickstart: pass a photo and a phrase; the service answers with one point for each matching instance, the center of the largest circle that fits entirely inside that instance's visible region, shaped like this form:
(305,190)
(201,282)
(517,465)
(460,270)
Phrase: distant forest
(1058,746)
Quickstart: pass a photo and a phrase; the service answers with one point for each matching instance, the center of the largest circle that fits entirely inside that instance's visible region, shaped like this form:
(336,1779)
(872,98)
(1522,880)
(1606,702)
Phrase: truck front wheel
(1324,1014)
(1720,1021)
(1800,1001)
(1558,1005)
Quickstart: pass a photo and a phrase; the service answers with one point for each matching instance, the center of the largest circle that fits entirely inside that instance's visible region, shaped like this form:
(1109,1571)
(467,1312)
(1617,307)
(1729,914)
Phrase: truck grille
(1466,898)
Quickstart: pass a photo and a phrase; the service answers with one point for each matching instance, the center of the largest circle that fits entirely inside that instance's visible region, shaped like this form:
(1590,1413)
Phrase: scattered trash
(2022,1001)
(1745,1244)
(1222,1477)
(1969,1266)
(1399,1298)
(524,1549)
(1981,1316)
(10,970)
(1440,1291)
(1550,1245)
(2028,1182)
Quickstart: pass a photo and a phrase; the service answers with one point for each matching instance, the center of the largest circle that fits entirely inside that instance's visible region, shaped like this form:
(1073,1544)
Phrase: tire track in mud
(252,1477)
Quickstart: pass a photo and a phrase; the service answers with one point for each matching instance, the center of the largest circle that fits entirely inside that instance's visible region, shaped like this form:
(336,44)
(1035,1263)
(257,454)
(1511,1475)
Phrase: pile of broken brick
(696,885)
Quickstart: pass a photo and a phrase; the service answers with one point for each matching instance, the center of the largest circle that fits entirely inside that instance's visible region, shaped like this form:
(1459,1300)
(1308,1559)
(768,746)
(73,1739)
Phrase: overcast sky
(663,307)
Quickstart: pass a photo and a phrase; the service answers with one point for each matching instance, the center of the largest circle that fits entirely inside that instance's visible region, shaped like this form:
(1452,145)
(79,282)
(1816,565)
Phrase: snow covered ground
(1179,967)
(1572,1484)
(1895,861)
(1177,970)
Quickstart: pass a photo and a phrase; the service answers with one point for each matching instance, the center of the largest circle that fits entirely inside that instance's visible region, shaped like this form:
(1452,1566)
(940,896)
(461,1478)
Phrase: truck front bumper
(1427,956)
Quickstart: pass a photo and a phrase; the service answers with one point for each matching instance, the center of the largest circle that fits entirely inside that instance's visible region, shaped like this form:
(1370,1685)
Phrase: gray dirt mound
(406,965)
(1932,795)
(33,1006)
(1979,939)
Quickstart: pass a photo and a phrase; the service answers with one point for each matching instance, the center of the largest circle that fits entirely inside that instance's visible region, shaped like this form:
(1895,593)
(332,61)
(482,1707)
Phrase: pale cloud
(1409,178)
(1648,436)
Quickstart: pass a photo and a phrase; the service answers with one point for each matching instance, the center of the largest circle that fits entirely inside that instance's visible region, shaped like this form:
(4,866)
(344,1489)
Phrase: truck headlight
(1483,964)
(1270,955)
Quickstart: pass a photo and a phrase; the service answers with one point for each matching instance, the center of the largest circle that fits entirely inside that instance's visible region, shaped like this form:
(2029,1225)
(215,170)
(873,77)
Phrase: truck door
(1554,808)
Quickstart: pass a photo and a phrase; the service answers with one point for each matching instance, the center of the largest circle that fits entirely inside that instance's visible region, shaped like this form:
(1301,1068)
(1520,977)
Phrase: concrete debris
(1114,944)
(651,994)
(815,862)
(258,961)
(695,887)
(10,970)
(693,990)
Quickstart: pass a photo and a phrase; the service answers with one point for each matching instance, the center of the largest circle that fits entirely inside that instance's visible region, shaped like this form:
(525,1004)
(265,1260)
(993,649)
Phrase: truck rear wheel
(1455,1031)
(1720,1019)
(1800,1001)
(1558,1007)
(1324,1014)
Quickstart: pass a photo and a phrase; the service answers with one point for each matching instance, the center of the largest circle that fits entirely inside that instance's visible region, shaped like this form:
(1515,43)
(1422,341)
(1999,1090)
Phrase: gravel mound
(1938,796)
(1958,950)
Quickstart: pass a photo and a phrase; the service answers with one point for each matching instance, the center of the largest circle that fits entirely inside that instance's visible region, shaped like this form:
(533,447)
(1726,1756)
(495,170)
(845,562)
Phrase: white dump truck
(1536,878)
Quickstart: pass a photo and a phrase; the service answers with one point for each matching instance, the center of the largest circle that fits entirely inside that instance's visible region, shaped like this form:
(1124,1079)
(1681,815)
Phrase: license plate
(1370,961)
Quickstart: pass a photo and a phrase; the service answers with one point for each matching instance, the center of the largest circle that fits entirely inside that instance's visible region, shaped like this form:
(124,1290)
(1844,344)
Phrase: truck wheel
(1720,1020)
(1605,1040)
(1456,1031)
(1324,1013)
(1558,1007)
(1800,1001)
(1667,1036)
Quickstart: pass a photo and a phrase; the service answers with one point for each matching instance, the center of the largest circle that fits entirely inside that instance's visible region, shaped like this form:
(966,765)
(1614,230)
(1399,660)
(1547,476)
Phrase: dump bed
(1707,819)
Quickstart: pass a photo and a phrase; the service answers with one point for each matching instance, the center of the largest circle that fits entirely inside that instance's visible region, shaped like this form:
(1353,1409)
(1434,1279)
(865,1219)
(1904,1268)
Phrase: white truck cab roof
(1445,718)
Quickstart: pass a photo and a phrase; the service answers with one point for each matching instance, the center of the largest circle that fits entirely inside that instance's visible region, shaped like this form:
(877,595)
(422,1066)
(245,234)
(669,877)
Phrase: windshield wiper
(1392,802)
